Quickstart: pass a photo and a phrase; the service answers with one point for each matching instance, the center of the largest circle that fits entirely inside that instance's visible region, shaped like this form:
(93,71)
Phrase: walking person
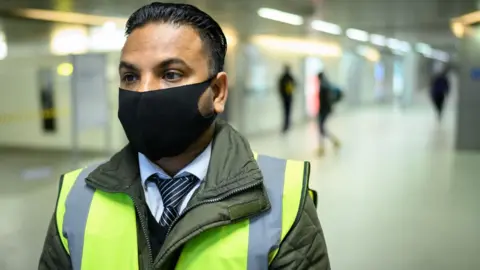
(440,87)
(286,87)
(329,95)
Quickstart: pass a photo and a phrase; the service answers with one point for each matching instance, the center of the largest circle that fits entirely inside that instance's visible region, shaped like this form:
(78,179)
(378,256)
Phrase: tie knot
(173,190)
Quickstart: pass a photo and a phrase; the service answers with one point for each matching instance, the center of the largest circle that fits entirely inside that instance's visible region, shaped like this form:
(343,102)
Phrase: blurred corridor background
(401,192)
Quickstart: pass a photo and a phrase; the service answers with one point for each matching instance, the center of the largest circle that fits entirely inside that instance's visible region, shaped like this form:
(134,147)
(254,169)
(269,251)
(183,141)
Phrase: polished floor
(395,197)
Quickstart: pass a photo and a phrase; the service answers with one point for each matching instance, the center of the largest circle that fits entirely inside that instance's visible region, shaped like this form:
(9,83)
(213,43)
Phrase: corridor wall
(468,109)
(20,108)
(262,108)
(357,79)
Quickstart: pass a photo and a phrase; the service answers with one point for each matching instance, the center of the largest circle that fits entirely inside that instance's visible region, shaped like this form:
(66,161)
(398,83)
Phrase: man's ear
(220,92)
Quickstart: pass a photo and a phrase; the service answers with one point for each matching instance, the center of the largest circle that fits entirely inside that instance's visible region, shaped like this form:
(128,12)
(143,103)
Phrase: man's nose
(149,83)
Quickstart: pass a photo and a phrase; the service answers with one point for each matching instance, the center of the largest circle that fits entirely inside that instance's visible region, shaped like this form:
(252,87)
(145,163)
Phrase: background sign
(475,74)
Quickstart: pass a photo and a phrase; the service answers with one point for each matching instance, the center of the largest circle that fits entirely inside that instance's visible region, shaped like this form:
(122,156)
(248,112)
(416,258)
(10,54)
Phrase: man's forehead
(163,37)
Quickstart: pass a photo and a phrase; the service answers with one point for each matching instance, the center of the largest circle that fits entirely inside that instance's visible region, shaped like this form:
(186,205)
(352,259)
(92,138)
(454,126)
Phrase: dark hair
(210,32)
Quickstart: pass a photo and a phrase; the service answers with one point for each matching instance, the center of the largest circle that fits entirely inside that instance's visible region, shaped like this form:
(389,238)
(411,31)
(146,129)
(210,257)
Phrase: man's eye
(172,75)
(129,78)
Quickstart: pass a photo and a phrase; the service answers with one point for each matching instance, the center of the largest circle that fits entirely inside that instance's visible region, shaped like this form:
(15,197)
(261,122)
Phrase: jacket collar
(232,166)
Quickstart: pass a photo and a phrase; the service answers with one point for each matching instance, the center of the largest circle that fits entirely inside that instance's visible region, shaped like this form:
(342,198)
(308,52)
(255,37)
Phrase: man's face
(159,56)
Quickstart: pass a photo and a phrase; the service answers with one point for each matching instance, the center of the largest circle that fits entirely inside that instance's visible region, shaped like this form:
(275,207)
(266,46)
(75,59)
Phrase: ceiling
(411,20)
(240,14)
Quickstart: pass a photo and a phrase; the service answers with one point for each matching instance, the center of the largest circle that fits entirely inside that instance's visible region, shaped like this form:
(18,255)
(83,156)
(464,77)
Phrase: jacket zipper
(217,199)
(144,230)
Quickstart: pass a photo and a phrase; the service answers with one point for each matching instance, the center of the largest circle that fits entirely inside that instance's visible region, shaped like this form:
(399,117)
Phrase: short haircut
(210,32)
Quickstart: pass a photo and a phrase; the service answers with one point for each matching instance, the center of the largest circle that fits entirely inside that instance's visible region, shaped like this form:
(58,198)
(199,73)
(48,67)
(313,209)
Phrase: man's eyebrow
(127,65)
(165,64)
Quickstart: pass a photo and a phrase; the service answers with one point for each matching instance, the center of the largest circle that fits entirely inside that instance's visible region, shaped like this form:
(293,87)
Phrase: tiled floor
(396,196)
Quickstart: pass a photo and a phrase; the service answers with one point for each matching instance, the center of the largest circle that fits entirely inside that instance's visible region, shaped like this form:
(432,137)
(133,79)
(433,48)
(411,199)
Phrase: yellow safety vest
(289,88)
(99,230)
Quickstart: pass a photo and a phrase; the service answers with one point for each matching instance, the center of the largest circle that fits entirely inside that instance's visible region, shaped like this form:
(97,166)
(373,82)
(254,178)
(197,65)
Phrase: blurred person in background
(286,87)
(440,87)
(187,192)
(329,95)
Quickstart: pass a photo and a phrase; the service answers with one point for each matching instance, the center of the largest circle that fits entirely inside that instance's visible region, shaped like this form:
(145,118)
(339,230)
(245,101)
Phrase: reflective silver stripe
(77,207)
(266,230)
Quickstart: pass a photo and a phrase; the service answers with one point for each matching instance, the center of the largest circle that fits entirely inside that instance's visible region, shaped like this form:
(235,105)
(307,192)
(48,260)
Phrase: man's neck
(172,165)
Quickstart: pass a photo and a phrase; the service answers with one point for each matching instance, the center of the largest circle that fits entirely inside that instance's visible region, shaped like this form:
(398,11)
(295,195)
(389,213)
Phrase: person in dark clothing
(440,87)
(286,86)
(326,106)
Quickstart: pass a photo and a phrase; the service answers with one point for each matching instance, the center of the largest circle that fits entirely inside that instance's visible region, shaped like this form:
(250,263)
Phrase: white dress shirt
(197,167)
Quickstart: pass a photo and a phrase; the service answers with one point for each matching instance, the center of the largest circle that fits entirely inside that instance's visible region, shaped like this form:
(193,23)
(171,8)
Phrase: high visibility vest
(289,87)
(99,229)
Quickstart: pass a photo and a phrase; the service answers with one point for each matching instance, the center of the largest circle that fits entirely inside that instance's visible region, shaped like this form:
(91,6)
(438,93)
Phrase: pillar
(468,109)
(410,77)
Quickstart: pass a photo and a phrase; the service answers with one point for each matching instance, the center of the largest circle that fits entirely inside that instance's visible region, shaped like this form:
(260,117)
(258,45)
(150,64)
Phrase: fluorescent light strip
(3,49)
(424,49)
(441,55)
(357,34)
(369,53)
(67,17)
(393,43)
(297,45)
(405,46)
(326,27)
(469,19)
(378,40)
(280,16)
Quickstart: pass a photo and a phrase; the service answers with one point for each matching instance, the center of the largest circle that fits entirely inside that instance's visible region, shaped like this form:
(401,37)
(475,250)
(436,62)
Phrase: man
(440,87)
(328,97)
(286,86)
(187,192)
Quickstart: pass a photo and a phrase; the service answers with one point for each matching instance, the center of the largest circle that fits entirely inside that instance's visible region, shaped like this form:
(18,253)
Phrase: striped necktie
(173,191)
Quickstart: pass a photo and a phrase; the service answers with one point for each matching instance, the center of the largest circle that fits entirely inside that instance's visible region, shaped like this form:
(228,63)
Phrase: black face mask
(163,123)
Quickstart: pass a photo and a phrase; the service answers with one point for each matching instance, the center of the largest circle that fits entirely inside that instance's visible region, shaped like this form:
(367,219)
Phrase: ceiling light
(357,34)
(65,69)
(440,55)
(70,40)
(393,43)
(280,16)
(3,50)
(424,49)
(3,46)
(109,26)
(405,46)
(469,19)
(231,35)
(399,46)
(106,38)
(369,53)
(296,45)
(66,17)
(458,29)
(378,40)
(326,27)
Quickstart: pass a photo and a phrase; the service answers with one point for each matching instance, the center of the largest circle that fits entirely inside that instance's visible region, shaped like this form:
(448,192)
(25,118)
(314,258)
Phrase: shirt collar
(198,167)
